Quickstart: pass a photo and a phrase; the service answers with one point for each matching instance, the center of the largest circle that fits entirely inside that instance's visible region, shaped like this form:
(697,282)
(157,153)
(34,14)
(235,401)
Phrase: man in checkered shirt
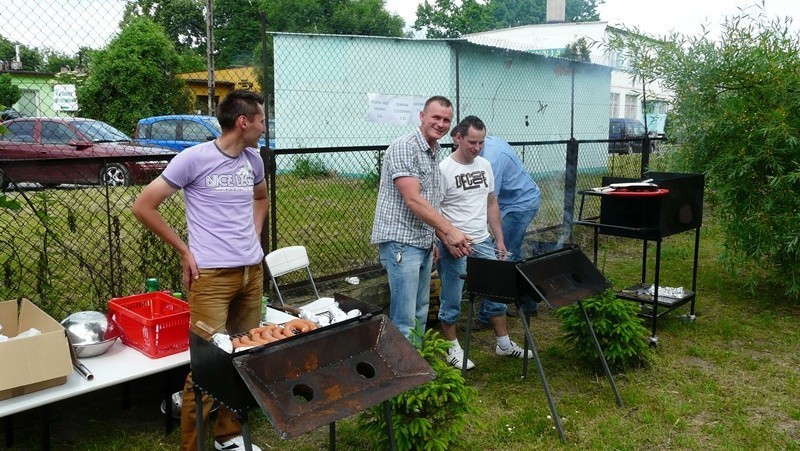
(407,217)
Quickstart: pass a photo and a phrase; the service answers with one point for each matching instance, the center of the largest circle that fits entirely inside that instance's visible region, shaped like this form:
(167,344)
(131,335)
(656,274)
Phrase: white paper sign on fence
(390,109)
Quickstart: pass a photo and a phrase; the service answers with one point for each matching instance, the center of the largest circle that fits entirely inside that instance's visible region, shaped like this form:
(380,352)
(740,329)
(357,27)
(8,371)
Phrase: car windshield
(99,131)
(215,123)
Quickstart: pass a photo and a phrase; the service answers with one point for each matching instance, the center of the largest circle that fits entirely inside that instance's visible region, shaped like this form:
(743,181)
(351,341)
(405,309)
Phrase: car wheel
(115,174)
(3,181)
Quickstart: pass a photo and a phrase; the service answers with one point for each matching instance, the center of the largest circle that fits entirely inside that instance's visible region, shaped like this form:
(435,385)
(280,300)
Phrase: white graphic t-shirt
(465,190)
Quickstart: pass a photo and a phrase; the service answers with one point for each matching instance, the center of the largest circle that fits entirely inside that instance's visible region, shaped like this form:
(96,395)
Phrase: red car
(52,151)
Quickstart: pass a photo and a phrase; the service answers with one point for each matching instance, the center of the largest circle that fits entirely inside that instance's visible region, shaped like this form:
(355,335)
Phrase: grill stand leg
(527,345)
(248,441)
(545,385)
(387,414)
(602,357)
(198,415)
(332,436)
(470,313)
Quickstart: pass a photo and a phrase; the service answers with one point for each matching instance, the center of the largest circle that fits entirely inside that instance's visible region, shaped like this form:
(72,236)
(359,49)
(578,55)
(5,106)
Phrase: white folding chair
(285,260)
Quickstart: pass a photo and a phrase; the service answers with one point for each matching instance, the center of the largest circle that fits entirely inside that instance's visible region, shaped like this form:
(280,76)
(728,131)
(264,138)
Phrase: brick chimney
(556,11)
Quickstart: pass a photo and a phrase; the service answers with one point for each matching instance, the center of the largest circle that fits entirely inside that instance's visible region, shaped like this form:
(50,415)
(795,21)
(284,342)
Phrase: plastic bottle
(151,285)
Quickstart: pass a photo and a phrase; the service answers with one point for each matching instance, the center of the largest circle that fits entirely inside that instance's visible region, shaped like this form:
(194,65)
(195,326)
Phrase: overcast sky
(66,25)
(657,17)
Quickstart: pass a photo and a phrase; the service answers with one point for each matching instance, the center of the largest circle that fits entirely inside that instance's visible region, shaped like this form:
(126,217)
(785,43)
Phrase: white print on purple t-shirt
(241,181)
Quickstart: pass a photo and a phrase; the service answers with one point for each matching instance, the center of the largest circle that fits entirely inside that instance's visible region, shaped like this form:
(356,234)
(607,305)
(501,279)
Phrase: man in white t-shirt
(469,203)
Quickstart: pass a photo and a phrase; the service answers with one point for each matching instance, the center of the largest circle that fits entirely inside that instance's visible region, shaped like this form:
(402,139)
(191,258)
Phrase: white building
(551,39)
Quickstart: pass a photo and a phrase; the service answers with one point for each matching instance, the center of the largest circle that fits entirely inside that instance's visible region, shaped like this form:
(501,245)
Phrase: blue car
(180,131)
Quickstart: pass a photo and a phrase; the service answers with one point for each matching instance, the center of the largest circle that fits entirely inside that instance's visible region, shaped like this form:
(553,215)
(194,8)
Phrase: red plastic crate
(155,324)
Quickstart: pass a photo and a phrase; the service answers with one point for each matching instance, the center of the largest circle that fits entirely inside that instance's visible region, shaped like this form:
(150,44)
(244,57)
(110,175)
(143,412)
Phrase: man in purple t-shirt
(226,205)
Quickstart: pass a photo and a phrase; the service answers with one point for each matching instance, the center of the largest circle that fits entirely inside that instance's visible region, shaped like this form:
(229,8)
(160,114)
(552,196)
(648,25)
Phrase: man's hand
(502,252)
(457,242)
(190,271)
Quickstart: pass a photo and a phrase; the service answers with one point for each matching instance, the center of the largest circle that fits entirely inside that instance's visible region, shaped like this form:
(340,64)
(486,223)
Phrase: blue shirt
(513,186)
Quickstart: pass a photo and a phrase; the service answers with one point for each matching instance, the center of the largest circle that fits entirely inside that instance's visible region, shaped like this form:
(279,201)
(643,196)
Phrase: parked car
(8,114)
(75,138)
(621,128)
(180,131)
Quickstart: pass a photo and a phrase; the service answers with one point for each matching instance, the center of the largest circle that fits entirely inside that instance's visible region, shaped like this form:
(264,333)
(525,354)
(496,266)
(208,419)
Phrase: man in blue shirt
(518,197)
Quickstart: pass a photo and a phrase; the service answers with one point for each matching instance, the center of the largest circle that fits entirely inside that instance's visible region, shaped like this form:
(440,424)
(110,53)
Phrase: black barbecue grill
(559,277)
(650,217)
(313,379)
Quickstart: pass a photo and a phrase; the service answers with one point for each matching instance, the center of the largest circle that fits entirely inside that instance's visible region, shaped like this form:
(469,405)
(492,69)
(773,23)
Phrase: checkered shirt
(409,156)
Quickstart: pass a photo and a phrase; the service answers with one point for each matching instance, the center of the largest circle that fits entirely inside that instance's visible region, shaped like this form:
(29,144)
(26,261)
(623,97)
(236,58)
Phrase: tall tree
(736,115)
(451,19)
(237,30)
(182,20)
(134,77)
(54,61)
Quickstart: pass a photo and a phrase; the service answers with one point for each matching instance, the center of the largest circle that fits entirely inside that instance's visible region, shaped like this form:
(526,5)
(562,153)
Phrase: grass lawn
(729,380)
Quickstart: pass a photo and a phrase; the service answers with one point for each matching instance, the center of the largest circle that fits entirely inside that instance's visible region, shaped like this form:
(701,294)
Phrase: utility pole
(210,55)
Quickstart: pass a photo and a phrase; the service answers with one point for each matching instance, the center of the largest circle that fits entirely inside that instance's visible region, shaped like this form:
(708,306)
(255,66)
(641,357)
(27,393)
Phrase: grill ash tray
(314,379)
(640,292)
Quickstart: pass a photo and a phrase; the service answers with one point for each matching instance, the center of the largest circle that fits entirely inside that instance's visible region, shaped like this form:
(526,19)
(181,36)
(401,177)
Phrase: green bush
(736,112)
(431,416)
(306,168)
(617,326)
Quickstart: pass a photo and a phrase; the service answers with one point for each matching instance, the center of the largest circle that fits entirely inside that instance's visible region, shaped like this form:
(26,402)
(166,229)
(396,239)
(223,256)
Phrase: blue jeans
(450,271)
(515,224)
(409,271)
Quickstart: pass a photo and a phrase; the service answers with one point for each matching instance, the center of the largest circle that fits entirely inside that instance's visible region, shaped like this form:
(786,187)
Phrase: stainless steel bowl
(90,333)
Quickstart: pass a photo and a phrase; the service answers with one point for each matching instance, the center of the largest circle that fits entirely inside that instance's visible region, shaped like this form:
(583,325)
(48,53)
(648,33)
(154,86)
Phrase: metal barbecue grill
(648,218)
(313,379)
(556,278)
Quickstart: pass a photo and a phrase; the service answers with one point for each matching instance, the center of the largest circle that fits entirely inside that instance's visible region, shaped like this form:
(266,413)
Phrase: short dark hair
(239,102)
(463,127)
(441,100)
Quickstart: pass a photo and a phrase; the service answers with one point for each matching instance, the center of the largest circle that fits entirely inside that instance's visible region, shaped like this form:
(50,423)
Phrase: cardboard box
(33,363)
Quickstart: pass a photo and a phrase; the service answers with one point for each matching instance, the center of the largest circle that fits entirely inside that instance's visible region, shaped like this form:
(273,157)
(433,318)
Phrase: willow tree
(736,112)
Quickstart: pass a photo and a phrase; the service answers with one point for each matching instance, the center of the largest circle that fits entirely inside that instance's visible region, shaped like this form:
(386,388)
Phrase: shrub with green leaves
(431,416)
(736,112)
(305,168)
(617,326)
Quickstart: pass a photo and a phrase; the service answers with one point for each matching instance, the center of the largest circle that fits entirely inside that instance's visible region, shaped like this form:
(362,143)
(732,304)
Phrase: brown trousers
(228,300)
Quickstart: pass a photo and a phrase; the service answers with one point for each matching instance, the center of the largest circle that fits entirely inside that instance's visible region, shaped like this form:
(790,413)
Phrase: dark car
(8,114)
(31,148)
(621,128)
(180,131)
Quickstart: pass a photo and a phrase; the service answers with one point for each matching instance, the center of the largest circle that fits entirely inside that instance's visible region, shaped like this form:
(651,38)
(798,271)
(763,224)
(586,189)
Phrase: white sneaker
(455,357)
(514,351)
(234,444)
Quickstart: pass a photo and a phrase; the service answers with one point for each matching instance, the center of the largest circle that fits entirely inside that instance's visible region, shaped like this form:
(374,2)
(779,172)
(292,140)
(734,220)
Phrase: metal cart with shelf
(650,217)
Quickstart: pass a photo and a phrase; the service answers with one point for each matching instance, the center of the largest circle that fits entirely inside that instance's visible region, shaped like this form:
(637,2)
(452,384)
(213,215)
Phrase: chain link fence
(68,239)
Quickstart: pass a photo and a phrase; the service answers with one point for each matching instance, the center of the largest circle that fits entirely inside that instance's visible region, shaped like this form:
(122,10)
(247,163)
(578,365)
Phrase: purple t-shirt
(218,192)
